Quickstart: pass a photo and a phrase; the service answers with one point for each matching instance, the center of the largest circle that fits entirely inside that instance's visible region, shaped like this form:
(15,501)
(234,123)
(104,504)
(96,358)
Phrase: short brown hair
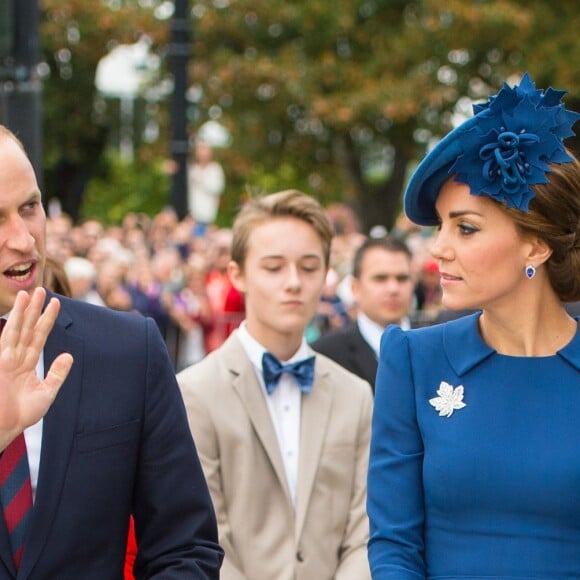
(288,203)
(386,243)
(554,216)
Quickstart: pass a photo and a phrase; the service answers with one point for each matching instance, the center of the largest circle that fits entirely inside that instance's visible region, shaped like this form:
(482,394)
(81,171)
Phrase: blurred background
(339,99)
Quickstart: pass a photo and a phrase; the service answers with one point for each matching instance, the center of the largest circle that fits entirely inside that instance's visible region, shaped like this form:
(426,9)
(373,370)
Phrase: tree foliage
(75,35)
(343,98)
(338,99)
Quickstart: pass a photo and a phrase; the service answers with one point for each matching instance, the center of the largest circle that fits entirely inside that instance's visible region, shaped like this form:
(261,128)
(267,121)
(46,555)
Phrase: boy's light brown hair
(288,203)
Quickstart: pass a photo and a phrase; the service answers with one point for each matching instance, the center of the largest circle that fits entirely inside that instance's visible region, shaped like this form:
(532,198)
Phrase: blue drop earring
(530,271)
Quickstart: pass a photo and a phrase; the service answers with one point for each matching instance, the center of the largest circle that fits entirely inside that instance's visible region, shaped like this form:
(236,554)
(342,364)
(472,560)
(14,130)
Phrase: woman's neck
(540,330)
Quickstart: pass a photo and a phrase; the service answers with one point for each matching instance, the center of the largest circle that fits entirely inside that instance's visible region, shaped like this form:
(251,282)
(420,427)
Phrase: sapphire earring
(530,271)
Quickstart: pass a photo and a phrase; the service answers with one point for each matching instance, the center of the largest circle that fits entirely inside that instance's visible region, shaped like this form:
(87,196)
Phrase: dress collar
(465,348)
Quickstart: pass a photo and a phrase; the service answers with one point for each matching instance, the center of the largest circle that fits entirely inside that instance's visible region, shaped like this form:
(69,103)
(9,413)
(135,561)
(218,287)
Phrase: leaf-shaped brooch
(449,399)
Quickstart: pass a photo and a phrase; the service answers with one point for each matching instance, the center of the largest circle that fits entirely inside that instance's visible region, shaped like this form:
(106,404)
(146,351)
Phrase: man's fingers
(32,313)
(27,324)
(58,372)
(45,323)
(14,321)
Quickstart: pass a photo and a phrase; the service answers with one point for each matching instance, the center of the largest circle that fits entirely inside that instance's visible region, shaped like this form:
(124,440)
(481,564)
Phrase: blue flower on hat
(518,133)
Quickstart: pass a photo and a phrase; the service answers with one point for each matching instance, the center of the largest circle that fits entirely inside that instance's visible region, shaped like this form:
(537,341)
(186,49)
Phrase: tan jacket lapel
(249,390)
(315,415)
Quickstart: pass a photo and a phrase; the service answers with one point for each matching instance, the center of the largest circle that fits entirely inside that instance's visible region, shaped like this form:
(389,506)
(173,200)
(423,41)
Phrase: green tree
(75,35)
(339,99)
(342,98)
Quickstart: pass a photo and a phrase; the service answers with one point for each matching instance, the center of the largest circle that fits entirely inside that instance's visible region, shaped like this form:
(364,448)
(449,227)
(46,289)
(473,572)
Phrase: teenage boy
(282,432)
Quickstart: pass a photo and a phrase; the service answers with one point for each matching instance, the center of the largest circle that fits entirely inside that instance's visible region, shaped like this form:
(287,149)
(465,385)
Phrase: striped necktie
(16,493)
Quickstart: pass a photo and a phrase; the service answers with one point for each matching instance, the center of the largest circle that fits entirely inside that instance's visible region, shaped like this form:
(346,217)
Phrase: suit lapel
(7,569)
(315,414)
(363,356)
(57,441)
(247,386)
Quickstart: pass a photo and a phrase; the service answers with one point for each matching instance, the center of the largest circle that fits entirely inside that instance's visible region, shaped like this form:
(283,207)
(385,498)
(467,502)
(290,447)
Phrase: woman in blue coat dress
(475,453)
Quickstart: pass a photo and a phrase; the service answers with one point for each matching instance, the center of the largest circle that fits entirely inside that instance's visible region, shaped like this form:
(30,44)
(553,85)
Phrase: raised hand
(24,398)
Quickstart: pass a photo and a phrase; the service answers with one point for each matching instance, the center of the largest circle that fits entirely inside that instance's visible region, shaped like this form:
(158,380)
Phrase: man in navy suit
(114,443)
(382,287)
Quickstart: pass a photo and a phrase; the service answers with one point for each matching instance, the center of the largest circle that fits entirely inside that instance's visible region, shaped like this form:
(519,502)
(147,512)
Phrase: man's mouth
(20,272)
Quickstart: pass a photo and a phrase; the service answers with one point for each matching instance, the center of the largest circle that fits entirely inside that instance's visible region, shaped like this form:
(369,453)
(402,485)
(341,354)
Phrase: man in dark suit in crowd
(382,287)
(113,443)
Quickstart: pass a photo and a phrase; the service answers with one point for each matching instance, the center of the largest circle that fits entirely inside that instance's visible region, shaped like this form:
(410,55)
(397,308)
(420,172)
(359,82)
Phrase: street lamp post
(20,85)
(179,52)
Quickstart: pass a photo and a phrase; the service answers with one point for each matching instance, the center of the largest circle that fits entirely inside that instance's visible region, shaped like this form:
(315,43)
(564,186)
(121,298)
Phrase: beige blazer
(263,535)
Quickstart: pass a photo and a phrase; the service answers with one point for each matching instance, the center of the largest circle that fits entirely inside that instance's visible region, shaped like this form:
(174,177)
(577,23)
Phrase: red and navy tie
(16,494)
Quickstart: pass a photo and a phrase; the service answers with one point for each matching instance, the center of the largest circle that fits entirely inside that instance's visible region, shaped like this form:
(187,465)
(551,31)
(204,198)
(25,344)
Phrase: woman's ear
(540,251)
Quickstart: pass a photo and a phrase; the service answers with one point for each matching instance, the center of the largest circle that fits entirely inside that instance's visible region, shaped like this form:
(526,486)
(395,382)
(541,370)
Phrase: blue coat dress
(477,482)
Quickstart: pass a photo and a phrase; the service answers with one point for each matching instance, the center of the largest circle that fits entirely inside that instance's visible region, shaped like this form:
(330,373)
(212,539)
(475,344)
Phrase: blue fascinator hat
(500,152)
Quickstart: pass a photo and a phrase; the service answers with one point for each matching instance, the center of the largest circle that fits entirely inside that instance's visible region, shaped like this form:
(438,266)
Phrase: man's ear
(354,288)
(236,276)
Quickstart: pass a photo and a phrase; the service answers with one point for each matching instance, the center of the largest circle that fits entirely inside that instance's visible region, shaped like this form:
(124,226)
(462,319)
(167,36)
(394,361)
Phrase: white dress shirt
(283,404)
(372,332)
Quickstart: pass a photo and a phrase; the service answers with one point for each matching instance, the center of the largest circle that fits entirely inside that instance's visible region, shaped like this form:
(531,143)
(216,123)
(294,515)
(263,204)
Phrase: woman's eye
(467,230)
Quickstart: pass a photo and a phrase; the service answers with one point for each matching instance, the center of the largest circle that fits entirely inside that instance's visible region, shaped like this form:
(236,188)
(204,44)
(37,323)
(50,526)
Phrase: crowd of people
(175,272)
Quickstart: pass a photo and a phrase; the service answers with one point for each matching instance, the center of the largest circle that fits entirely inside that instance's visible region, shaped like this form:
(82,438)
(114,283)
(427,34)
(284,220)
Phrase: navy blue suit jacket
(115,442)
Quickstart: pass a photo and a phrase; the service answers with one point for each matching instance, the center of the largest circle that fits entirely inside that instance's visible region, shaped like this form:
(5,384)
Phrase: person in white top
(206,184)
(282,433)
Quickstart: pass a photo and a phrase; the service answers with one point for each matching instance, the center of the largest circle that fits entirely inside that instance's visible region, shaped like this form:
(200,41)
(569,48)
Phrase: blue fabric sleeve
(395,492)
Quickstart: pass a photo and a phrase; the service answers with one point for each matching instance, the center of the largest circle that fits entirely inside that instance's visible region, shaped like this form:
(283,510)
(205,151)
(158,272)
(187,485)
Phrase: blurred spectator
(55,277)
(167,268)
(191,310)
(219,288)
(145,293)
(382,286)
(161,230)
(404,227)
(82,275)
(428,291)
(331,313)
(110,286)
(86,236)
(206,183)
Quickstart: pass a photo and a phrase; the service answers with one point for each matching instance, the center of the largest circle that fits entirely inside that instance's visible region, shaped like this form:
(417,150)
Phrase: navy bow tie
(303,372)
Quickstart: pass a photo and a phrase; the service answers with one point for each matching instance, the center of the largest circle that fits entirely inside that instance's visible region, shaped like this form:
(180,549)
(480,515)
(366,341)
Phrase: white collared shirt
(283,404)
(372,332)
